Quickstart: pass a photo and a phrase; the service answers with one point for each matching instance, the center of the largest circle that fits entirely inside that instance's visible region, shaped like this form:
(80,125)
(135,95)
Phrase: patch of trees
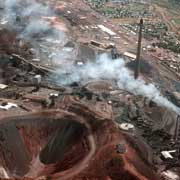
(169,44)
(175,3)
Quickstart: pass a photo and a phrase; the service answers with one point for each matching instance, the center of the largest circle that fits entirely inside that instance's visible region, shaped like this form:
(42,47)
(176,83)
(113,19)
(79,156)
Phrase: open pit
(74,141)
(50,137)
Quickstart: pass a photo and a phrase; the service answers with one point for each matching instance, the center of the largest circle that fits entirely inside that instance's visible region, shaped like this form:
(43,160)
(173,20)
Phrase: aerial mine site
(90,89)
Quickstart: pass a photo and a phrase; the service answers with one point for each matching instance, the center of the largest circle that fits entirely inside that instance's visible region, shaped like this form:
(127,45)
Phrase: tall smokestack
(137,66)
(177,128)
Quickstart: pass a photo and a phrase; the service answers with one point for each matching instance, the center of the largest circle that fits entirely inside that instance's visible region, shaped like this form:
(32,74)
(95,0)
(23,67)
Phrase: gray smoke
(29,19)
(36,9)
(36,27)
(24,8)
(106,68)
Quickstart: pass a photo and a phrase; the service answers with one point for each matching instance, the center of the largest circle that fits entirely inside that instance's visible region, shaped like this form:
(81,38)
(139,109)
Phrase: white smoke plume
(24,8)
(28,19)
(106,68)
(35,27)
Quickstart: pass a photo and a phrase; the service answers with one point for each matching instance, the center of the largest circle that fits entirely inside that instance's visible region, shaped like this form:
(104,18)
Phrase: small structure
(51,100)
(126,127)
(121,148)
(3,173)
(3,86)
(37,81)
(130,55)
(106,30)
(170,175)
(79,63)
(167,154)
(101,45)
(7,106)
(114,53)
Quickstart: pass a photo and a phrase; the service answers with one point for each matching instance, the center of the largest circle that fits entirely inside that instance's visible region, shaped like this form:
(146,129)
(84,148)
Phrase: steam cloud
(28,19)
(31,21)
(106,68)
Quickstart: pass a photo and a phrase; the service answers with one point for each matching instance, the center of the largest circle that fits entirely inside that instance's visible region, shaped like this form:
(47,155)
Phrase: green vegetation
(108,10)
(176,21)
(96,3)
(137,7)
(127,10)
(169,4)
(174,6)
(157,30)
(174,2)
(151,30)
(169,43)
